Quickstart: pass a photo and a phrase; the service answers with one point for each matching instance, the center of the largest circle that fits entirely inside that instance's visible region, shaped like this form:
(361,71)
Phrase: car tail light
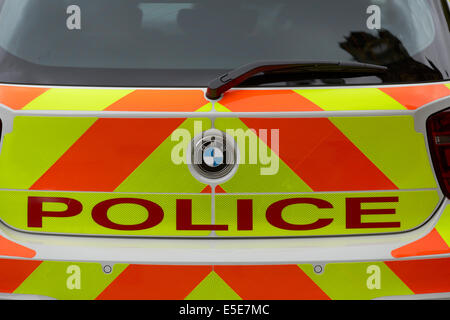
(438,129)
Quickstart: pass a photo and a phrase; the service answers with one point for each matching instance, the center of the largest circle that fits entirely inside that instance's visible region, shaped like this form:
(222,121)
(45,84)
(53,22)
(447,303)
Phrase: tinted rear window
(188,43)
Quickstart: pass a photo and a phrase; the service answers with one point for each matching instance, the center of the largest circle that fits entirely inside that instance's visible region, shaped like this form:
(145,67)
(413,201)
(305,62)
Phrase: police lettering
(184,220)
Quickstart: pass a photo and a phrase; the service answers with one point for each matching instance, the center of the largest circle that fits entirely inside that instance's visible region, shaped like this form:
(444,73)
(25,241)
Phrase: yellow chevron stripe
(345,281)
(351,99)
(213,288)
(58,279)
(35,144)
(443,225)
(77,99)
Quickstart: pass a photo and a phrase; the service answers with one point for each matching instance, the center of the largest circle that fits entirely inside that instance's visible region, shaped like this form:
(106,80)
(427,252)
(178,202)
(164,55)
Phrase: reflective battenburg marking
(316,158)
(352,280)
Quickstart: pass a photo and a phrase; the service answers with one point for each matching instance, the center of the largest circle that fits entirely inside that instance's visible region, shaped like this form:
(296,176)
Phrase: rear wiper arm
(222,84)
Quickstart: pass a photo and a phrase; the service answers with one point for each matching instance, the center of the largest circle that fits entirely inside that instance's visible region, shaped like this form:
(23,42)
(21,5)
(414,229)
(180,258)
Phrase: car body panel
(214,260)
(118,141)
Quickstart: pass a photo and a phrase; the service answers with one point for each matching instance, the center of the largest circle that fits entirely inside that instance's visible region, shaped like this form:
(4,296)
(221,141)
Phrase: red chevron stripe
(267,101)
(414,97)
(218,189)
(108,152)
(431,244)
(18,97)
(287,282)
(322,156)
(423,276)
(161,100)
(140,282)
(12,249)
(14,272)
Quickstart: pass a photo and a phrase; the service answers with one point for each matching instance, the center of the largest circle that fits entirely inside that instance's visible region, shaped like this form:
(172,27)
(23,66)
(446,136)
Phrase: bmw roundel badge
(213,157)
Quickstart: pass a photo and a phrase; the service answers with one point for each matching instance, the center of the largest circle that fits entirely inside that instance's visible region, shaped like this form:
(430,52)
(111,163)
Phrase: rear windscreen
(188,43)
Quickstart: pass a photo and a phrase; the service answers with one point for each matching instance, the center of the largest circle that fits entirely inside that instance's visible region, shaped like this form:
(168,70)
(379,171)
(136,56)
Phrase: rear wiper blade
(222,84)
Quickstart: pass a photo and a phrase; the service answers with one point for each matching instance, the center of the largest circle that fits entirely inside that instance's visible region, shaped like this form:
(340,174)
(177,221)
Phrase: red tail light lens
(438,129)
